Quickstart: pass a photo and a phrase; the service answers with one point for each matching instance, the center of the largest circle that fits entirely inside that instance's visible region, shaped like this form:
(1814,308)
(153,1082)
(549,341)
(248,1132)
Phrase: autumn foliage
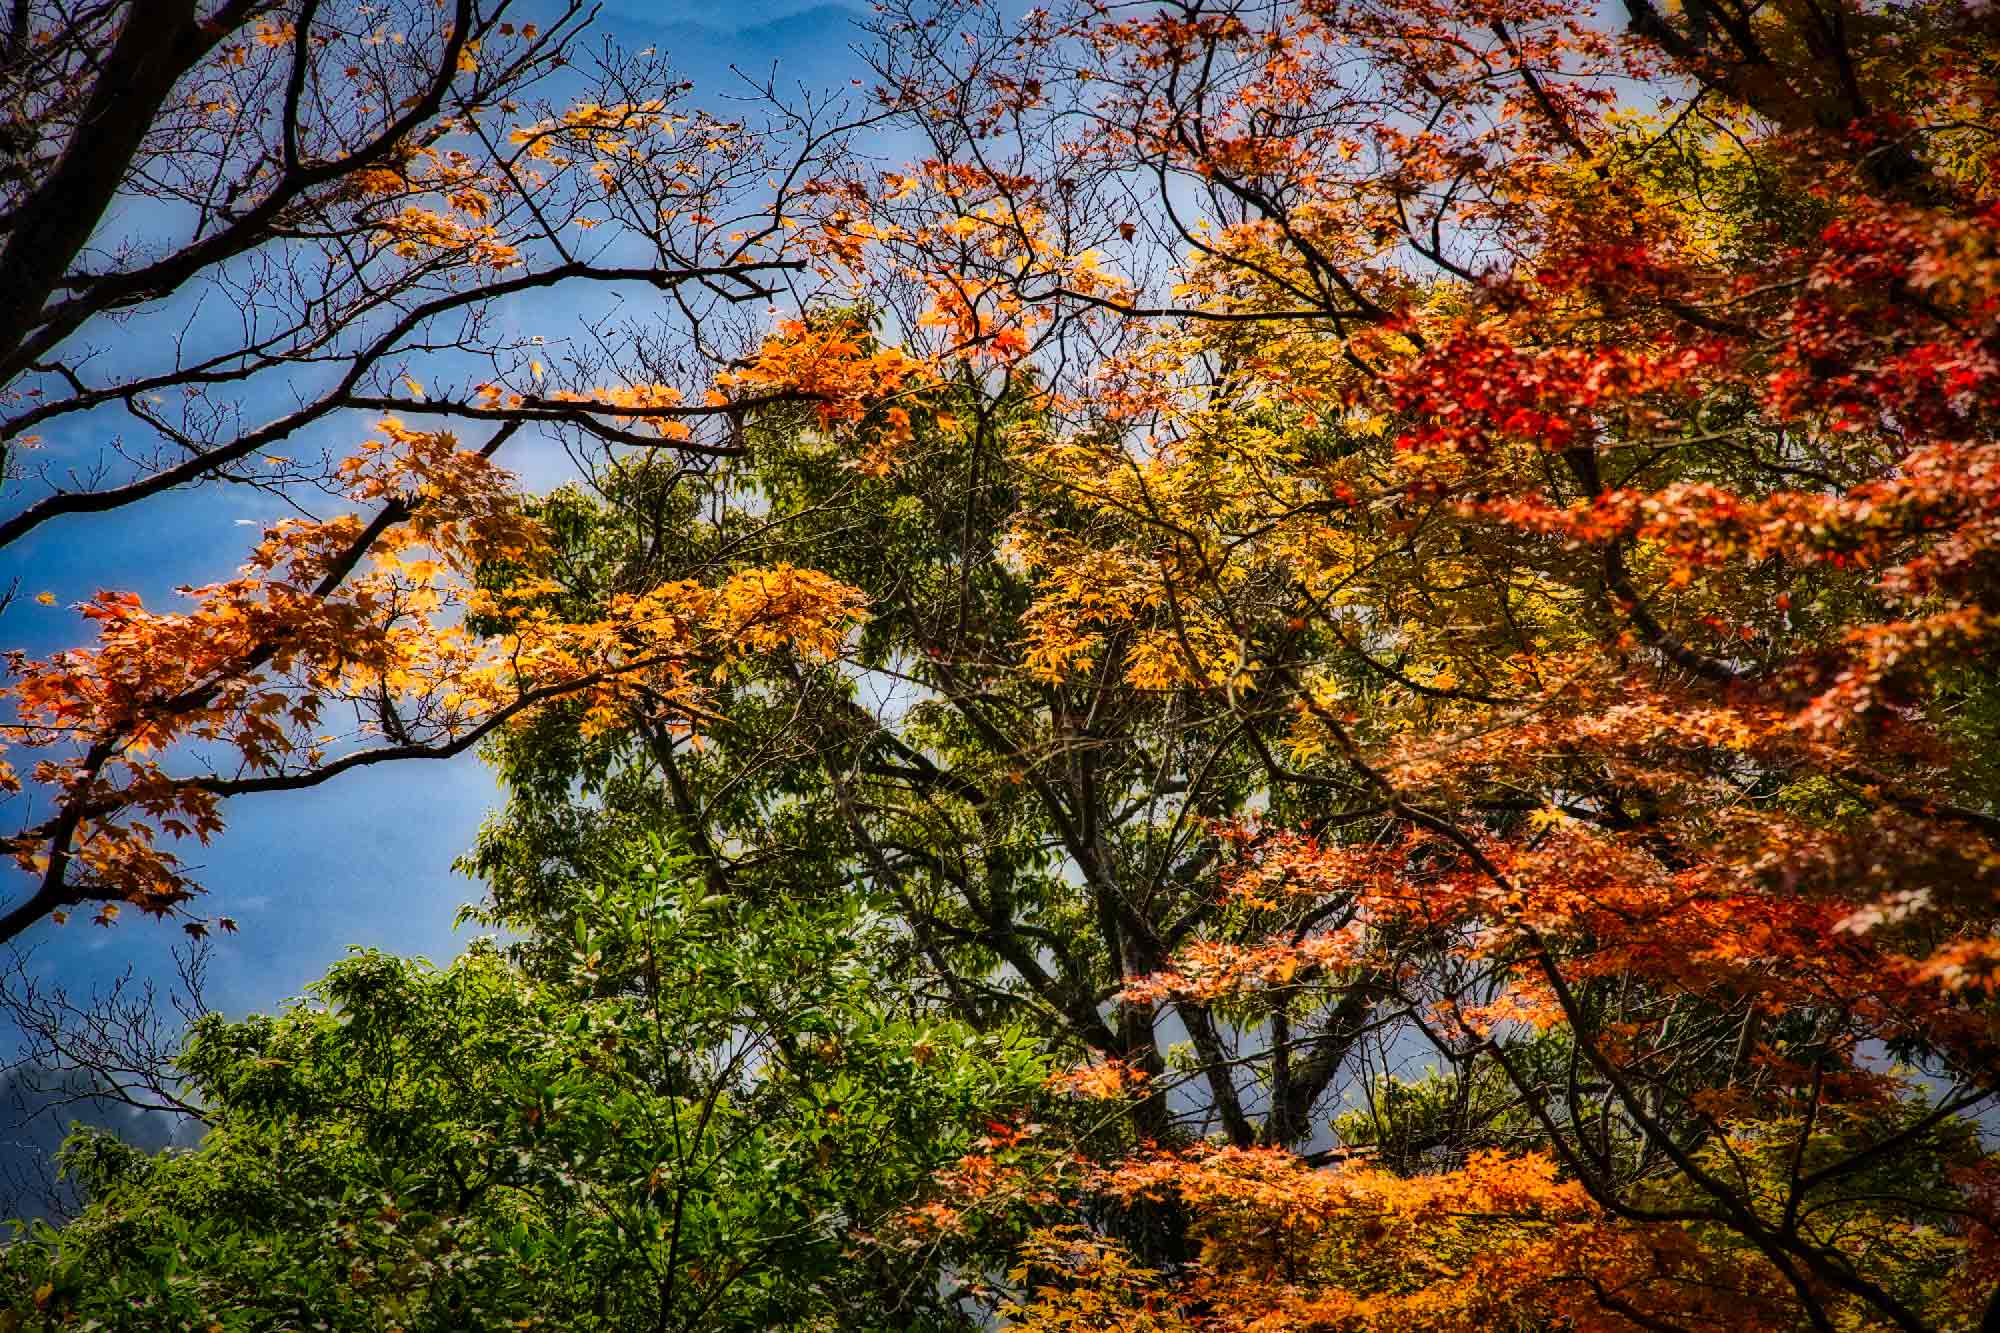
(393,151)
(1585,440)
(1447,564)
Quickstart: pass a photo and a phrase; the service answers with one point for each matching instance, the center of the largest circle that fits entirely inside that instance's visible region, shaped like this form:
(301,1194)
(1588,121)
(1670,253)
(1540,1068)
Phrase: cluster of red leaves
(1475,389)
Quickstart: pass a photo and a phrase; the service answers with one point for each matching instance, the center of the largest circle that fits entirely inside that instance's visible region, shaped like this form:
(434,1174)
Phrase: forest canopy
(1215,665)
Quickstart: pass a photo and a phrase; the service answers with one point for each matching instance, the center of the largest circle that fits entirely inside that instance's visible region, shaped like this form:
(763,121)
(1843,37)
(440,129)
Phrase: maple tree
(1604,493)
(372,189)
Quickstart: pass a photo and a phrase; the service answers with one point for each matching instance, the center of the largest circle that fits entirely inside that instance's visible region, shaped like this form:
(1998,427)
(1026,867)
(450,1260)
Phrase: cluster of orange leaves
(853,385)
(394,624)
(1502,1241)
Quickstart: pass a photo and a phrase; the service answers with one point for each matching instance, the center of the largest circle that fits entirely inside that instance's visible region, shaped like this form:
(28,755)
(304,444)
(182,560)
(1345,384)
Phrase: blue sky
(365,860)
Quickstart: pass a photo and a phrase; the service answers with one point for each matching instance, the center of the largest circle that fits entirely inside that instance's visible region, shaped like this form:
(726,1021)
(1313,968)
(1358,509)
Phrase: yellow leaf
(415,388)
(46,598)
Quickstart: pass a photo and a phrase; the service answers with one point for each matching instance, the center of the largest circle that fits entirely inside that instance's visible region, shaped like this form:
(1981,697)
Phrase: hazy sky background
(365,859)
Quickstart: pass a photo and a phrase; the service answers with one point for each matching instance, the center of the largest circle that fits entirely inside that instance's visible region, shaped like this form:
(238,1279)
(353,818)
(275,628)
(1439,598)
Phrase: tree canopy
(1330,667)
